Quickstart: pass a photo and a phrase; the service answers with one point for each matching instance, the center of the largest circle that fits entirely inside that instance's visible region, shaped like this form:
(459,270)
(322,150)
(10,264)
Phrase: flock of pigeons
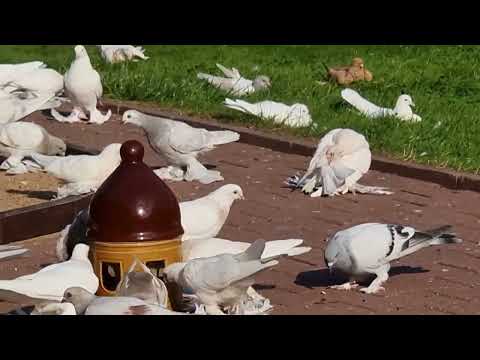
(216,275)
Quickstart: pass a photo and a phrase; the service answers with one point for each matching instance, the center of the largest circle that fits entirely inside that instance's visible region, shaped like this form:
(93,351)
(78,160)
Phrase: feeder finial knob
(132,151)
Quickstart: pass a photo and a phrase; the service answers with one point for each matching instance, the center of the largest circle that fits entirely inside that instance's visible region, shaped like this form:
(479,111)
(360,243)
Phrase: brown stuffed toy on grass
(346,75)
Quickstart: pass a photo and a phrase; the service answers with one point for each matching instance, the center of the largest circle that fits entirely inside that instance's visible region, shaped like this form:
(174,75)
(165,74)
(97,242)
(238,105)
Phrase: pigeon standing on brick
(367,250)
(222,281)
(204,218)
(402,109)
(342,158)
(180,144)
(21,139)
(113,54)
(83,86)
(234,83)
(296,115)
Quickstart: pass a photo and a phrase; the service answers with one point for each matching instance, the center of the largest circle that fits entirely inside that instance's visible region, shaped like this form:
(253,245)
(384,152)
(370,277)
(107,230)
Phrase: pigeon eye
(235,192)
(68,295)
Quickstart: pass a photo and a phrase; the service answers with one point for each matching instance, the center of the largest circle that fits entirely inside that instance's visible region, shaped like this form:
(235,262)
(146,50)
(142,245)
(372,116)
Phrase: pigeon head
(358,62)
(57,146)
(80,51)
(405,100)
(300,110)
(79,298)
(132,117)
(332,252)
(229,193)
(262,82)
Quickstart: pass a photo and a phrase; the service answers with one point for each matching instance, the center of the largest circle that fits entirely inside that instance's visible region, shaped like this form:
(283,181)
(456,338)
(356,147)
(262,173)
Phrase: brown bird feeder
(133,214)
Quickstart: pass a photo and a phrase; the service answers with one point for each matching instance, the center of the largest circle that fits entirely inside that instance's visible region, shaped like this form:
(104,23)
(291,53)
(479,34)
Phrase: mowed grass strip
(443,81)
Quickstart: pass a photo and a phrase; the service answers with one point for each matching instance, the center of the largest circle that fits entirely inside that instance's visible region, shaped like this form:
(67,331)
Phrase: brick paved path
(441,280)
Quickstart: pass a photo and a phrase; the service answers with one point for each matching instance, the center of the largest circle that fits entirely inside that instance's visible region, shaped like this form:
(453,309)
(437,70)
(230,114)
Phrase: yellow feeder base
(120,257)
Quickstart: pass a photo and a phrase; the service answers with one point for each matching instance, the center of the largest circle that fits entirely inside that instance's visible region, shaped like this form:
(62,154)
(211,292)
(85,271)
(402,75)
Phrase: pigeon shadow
(27,310)
(263,287)
(210,166)
(398,270)
(32,194)
(323,278)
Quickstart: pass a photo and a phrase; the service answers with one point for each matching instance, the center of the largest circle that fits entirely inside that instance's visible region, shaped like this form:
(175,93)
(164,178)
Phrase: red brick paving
(437,280)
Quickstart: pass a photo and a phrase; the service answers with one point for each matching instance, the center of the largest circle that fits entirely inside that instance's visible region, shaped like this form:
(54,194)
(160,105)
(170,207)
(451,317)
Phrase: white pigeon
(118,53)
(21,139)
(10,251)
(234,83)
(86,303)
(342,157)
(50,283)
(143,285)
(221,281)
(9,72)
(83,86)
(367,250)
(16,106)
(180,144)
(81,173)
(402,109)
(296,115)
(204,218)
(37,81)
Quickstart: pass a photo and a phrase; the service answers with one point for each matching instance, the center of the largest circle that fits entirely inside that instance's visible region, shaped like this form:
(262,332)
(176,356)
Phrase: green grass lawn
(444,82)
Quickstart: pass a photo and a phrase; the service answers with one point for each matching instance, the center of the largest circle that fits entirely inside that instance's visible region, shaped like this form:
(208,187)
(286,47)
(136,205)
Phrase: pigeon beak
(242,197)
(412,104)
(330,267)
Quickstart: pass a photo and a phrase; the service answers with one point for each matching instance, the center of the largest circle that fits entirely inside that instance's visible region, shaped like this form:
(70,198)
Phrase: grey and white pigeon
(296,115)
(143,285)
(50,283)
(234,83)
(81,173)
(86,303)
(181,144)
(21,139)
(221,281)
(342,158)
(119,53)
(83,86)
(8,252)
(402,109)
(367,250)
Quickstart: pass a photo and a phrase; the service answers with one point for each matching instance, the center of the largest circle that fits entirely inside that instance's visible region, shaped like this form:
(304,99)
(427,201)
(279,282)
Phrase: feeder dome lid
(133,204)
